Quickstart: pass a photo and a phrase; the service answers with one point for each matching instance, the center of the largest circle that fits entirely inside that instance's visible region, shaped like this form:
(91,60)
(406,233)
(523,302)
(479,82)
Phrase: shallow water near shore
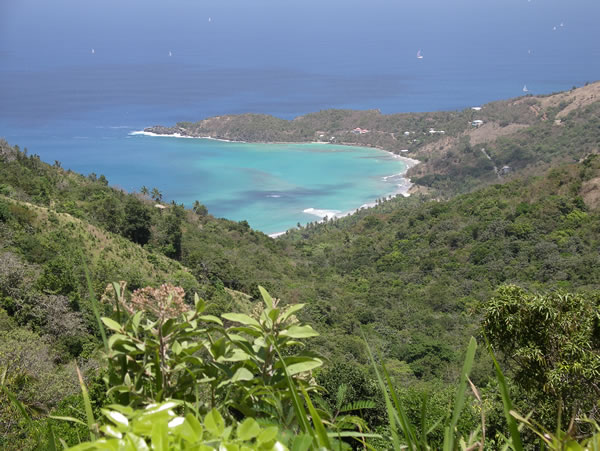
(272,186)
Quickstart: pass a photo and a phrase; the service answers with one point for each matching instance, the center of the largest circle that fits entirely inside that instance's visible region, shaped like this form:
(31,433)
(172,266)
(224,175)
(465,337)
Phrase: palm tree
(144,191)
(156,194)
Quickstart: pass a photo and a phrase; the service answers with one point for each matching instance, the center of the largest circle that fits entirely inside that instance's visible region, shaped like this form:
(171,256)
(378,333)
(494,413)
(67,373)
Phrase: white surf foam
(179,135)
(322,213)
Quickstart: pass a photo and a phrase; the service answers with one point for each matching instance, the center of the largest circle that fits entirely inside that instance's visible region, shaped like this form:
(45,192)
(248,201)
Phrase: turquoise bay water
(269,185)
(272,186)
(275,186)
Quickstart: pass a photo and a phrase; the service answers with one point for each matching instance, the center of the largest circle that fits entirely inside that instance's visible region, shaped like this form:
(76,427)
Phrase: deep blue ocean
(77,77)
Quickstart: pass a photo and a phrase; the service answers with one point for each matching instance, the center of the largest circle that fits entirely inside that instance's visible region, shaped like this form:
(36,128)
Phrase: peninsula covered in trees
(518,136)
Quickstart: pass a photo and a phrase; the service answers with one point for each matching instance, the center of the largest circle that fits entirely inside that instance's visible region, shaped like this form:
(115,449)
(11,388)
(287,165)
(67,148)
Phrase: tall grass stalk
(515,435)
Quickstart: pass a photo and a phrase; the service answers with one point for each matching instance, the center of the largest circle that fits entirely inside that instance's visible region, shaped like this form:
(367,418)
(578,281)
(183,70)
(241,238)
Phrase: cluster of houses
(360,131)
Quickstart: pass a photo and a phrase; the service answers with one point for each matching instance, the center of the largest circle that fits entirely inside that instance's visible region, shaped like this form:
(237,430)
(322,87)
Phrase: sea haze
(77,77)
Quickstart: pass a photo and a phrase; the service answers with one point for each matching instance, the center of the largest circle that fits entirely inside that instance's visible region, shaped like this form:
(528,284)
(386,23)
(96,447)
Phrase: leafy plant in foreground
(160,348)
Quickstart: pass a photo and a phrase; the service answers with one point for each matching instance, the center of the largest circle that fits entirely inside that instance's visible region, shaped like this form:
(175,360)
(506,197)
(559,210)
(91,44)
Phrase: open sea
(77,78)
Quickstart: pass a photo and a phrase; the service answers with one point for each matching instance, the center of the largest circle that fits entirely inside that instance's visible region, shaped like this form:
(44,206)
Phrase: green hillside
(410,280)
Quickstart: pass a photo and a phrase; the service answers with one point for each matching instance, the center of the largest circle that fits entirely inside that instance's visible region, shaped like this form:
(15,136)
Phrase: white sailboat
(93,51)
(419,55)
(170,54)
(525,88)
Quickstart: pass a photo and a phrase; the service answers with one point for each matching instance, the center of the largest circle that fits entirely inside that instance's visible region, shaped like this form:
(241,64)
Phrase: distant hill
(447,143)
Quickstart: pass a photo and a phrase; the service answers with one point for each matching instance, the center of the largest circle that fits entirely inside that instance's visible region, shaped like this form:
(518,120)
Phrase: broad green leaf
(211,319)
(111,324)
(137,443)
(291,310)
(107,429)
(248,429)
(168,326)
(125,410)
(175,422)
(299,332)
(199,303)
(301,367)
(177,348)
(213,422)
(237,356)
(572,445)
(191,429)
(116,417)
(154,408)
(236,337)
(160,436)
(267,435)
(266,297)
(242,374)
(248,330)
(117,288)
(302,442)
(135,321)
(118,339)
(219,348)
(273,314)
(241,318)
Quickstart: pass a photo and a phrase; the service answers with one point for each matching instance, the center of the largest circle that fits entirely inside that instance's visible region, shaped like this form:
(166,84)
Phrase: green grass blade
(69,419)
(51,438)
(392,416)
(298,405)
(459,402)
(402,418)
(91,421)
(423,434)
(19,405)
(322,437)
(507,405)
(94,303)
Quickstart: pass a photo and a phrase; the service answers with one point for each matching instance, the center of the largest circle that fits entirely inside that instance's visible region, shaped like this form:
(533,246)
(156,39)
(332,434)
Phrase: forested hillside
(410,280)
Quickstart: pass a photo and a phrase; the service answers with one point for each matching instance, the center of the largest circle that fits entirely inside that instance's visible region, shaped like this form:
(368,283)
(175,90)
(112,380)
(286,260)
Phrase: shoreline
(179,135)
(401,189)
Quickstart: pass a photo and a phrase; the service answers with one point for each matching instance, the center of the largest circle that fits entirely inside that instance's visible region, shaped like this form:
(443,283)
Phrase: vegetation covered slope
(412,274)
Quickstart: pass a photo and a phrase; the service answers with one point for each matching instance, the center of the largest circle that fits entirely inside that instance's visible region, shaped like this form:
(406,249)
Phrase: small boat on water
(525,88)
(170,54)
(419,55)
